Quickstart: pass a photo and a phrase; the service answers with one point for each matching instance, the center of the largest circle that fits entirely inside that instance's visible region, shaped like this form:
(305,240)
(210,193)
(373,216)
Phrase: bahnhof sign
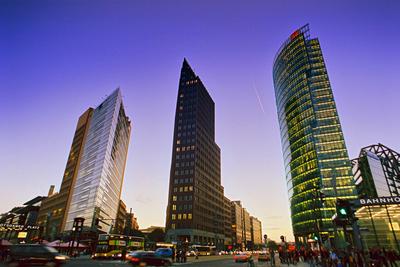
(379,222)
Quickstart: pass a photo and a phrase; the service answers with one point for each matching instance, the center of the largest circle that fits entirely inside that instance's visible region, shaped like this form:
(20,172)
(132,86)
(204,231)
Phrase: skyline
(71,64)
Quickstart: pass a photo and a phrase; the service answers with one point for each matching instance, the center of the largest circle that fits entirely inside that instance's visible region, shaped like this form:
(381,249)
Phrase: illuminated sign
(20,227)
(22,234)
(379,201)
(134,244)
(293,35)
(117,243)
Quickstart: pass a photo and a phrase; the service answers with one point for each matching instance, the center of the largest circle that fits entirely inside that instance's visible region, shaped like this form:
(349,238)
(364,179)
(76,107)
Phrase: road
(206,261)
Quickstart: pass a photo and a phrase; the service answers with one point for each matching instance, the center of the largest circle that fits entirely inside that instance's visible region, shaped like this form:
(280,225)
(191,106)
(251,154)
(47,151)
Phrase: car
(242,257)
(191,253)
(263,256)
(164,252)
(148,258)
(35,254)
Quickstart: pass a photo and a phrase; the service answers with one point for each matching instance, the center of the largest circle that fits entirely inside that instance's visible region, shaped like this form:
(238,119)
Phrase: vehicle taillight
(135,259)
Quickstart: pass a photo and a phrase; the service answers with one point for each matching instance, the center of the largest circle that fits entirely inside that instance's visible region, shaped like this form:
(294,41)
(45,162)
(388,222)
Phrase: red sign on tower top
(293,35)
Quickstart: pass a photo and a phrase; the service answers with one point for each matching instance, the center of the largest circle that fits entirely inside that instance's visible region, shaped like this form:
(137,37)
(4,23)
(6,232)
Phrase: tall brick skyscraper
(195,202)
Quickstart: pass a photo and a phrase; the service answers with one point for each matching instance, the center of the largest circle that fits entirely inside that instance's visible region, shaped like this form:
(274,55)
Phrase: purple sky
(57,58)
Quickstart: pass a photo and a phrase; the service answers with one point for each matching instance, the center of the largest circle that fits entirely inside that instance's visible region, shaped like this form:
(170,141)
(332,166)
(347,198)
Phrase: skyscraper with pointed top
(195,202)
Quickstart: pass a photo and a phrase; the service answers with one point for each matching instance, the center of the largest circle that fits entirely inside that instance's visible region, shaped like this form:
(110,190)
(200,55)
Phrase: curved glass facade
(98,186)
(314,151)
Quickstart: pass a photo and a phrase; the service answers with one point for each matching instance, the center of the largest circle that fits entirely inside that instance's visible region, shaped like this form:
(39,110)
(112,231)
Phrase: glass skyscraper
(97,189)
(317,166)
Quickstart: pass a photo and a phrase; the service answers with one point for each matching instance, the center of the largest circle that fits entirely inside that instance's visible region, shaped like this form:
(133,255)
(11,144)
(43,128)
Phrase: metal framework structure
(390,160)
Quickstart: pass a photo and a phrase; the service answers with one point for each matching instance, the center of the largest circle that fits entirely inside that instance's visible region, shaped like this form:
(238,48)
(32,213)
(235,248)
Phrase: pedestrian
(359,258)
(123,254)
(272,255)
(178,256)
(173,254)
(184,256)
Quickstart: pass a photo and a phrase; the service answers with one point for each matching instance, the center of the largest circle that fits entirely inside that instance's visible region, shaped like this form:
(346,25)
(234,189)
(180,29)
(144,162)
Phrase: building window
(179,216)
(175,189)
(184,216)
(180,189)
(189,216)
(173,198)
(173,207)
(190,188)
(173,217)
(173,226)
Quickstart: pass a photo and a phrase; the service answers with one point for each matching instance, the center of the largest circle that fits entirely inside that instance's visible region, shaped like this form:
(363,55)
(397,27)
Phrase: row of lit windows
(187,148)
(287,92)
(300,116)
(182,216)
(306,157)
(192,82)
(183,189)
(182,198)
(288,75)
(299,108)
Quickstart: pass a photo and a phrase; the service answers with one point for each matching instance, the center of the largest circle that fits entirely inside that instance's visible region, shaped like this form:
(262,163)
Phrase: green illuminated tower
(317,165)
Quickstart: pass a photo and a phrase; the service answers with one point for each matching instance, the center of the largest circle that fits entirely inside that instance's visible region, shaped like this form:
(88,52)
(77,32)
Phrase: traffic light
(343,209)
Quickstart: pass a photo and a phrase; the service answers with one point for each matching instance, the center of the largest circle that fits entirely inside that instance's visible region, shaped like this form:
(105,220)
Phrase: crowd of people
(179,256)
(339,258)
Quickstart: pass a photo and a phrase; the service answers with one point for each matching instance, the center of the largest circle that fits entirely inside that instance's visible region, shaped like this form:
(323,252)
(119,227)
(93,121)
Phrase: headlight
(60,258)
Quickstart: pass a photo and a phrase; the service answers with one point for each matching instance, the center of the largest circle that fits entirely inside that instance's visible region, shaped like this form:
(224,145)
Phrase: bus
(203,250)
(110,246)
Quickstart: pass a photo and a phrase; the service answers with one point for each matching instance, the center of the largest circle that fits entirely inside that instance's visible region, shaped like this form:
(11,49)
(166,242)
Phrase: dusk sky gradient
(57,58)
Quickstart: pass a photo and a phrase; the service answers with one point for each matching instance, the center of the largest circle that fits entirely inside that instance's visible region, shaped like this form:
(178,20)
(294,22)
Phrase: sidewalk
(191,260)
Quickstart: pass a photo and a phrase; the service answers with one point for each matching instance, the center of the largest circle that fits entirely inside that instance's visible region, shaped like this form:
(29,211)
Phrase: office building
(237,224)
(377,171)
(316,161)
(377,175)
(20,223)
(195,212)
(228,231)
(92,181)
(246,228)
(53,210)
(256,231)
(98,185)
(120,221)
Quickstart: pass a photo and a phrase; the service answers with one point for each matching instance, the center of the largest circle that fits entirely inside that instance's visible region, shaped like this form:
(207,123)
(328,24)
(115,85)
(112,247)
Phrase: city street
(209,261)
